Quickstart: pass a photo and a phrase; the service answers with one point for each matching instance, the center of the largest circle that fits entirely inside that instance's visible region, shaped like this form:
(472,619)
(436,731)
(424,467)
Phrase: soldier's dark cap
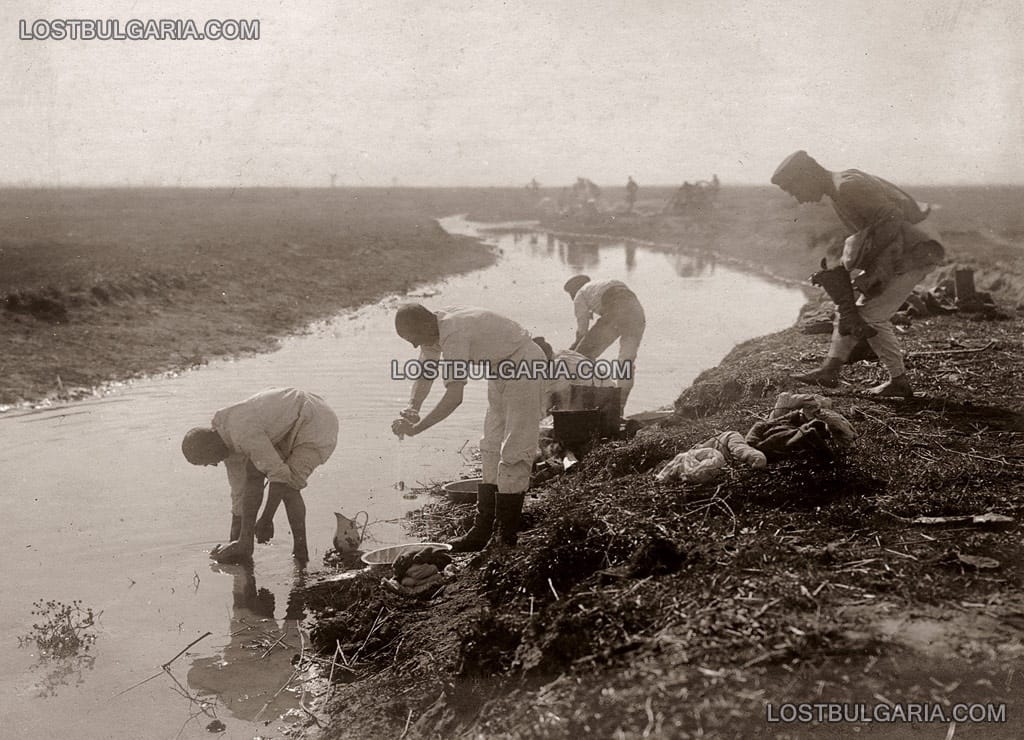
(797,165)
(574,283)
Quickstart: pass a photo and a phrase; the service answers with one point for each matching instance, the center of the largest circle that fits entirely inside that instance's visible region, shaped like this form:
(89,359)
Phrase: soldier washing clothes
(886,255)
(511,426)
(278,435)
(620,317)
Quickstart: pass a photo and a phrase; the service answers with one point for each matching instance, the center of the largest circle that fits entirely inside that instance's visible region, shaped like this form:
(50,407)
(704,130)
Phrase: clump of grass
(64,630)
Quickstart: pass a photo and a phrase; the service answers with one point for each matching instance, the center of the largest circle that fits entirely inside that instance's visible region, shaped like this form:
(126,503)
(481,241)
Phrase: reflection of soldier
(243,680)
(581,255)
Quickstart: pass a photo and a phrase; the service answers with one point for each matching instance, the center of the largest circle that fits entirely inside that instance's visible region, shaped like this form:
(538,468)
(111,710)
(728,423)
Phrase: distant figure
(886,256)
(631,188)
(621,317)
(279,435)
(715,183)
(682,198)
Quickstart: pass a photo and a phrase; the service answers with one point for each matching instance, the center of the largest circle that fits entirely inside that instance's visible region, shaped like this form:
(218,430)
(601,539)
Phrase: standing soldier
(461,335)
(885,256)
(621,317)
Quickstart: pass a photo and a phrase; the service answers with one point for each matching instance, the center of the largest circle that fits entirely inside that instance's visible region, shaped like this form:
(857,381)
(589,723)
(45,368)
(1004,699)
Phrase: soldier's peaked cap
(796,165)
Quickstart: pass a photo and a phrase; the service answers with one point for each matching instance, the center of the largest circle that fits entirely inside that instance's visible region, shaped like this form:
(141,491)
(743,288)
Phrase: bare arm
(420,390)
(451,400)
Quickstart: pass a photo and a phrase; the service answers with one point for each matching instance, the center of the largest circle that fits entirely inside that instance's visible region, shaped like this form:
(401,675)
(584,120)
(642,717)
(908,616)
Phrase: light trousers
(623,319)
(877,312)
(512,427)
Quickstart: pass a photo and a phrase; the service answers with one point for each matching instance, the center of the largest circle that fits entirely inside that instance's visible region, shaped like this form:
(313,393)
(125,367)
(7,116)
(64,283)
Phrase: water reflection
(692,264)
(60,673)
(630,257)
(581,255)
(249,676)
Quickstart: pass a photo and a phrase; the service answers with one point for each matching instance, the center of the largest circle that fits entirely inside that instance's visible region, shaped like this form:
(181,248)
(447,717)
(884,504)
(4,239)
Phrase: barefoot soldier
(886,255)
(461,335)
(279,435)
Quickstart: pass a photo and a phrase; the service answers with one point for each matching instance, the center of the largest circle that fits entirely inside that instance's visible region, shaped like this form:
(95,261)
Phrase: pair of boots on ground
(497,520)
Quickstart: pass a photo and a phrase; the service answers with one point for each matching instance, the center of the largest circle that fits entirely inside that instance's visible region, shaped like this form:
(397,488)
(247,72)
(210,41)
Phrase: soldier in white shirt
(278,435)
(459,335)
(620,317)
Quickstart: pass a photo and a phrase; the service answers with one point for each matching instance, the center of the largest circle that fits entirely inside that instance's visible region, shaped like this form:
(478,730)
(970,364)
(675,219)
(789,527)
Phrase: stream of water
(100,506)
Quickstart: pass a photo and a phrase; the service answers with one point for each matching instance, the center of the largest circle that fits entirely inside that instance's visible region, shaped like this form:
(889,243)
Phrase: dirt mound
(633,606)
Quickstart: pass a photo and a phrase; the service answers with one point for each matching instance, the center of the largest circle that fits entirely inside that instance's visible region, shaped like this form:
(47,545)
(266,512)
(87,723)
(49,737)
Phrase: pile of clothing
(419,571)
(799,423)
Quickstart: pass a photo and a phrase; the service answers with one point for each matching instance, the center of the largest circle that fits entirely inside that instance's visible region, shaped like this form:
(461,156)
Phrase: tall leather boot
(483,524)
(507,515)
(236,528)
(836,282)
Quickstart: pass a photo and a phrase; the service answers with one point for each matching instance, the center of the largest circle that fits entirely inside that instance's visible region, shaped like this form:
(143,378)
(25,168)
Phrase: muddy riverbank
(636,608)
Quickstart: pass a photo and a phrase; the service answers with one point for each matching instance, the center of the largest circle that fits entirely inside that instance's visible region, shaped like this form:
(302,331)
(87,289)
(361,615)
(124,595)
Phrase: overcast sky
(488,93)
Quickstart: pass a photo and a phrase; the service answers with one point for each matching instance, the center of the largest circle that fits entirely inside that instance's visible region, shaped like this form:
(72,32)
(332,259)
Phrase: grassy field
(98,285)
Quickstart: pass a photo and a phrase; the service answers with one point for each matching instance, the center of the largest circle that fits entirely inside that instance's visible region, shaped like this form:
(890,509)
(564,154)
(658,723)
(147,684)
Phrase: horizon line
(114,186)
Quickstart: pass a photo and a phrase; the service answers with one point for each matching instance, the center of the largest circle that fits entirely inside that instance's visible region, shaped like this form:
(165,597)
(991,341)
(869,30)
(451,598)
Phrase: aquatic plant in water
(64,630)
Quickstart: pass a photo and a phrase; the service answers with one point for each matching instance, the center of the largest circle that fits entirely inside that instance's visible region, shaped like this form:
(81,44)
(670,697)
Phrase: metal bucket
(606,398)
(577,426)
(388,555)
(462,491)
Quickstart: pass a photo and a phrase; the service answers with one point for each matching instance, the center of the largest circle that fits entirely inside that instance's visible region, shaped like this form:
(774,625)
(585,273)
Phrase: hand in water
(233,552)
(264,531)
(401,428)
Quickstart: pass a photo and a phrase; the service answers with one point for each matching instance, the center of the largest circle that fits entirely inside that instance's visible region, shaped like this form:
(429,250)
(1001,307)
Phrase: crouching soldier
(458,336)
(279,435)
